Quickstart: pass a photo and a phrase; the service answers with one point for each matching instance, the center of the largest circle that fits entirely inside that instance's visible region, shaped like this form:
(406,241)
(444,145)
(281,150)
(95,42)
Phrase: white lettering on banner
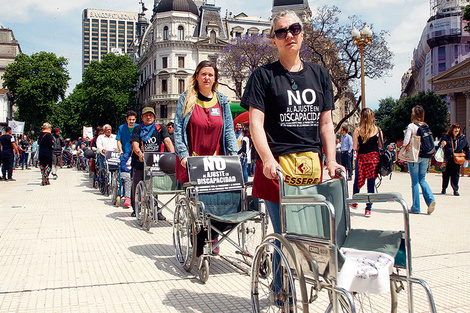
(156,158)
(298,99)
(211,164)
(112,15)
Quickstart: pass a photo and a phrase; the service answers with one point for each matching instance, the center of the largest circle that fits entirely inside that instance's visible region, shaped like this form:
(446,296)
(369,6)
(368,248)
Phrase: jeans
(346,162)
(418,178)
(244,170)
(23,159)
(275,217)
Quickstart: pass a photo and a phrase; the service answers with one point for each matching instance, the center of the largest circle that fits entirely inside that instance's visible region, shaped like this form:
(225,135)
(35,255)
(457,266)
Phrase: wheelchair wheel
(276,287)
(115,189)
(140,203)
(150,205)
(184,237)
(249,237)
(369,303)
(204,270)
(103,181)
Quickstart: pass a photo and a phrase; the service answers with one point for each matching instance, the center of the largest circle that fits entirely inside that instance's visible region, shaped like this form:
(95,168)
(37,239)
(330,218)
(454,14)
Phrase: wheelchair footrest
(235,218)
(375,197)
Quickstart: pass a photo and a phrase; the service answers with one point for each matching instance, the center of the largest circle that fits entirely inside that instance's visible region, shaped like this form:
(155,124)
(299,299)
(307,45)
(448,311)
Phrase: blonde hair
(280,15)
(367,124)
(46,126)
(191,94)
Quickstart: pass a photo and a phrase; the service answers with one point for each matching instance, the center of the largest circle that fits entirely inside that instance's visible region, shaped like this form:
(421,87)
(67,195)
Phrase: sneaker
(354,205)
(133,214)
(161,217)
(127,202)
(431,207)
(367,214)
(11,179)
(443,192)
(55,176)
(412,212)
(456,193)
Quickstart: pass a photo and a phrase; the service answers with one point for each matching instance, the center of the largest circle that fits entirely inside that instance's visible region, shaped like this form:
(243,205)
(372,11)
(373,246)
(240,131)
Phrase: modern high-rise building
(106,31)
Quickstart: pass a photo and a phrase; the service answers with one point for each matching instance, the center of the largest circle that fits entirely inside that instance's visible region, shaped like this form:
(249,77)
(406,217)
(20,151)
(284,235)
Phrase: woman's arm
(408,134)
(258,135)
(327,136)
(356,139)
(180,146)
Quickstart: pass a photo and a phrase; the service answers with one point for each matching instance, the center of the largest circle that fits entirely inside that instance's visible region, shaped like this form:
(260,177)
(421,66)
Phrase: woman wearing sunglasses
(290,103)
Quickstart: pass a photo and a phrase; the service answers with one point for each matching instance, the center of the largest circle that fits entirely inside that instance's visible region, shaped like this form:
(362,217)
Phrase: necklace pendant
(294,87)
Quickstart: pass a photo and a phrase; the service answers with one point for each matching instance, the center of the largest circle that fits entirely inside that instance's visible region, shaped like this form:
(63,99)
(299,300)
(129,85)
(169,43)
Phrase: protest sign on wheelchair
(159,163)
(215,173)
(113,159)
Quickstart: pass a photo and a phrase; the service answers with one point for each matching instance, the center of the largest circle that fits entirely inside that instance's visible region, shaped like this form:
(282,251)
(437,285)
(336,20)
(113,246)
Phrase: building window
(213,35)
(163,111)
(180,85)
(442,67)
(181,62)
(180,33)
(238,34)
(165,33)
(164,62)
(441,54)
(164,86)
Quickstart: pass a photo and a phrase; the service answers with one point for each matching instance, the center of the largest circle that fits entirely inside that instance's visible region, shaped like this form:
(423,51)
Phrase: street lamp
(362,39)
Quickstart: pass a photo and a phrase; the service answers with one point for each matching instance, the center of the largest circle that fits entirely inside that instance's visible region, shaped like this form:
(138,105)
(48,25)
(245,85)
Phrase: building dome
(177,5)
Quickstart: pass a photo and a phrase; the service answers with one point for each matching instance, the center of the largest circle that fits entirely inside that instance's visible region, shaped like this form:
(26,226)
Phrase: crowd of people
(273,134)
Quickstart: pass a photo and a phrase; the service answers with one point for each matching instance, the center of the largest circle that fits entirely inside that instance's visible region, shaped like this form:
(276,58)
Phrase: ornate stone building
(455,84)
(9,49)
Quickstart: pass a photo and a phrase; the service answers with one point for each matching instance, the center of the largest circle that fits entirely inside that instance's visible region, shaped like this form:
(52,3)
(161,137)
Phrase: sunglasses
(294,29)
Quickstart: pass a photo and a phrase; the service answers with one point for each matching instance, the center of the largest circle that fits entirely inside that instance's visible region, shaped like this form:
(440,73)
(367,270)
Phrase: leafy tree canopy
(104,95)
(37,83)
(394,116)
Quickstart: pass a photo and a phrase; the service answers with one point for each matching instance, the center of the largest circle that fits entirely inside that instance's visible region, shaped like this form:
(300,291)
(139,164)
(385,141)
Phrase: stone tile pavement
(66,248)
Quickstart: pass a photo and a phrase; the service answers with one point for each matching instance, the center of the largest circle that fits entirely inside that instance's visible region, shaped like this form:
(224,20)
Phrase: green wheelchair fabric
(226,207)
(164,183)
(313,220)
(387,242)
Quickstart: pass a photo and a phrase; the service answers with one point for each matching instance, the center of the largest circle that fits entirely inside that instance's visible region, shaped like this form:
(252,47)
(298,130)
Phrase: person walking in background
(171,131)
(23,147)
(419,169)
(34,153)
(453,141)
(203,126)
(366,143)
(46,144)
(59,143)
(245,152)
(124,144)
(9,150)
(346,150)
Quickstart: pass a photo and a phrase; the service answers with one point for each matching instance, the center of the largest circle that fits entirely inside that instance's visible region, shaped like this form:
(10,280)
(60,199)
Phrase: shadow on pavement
(205,301)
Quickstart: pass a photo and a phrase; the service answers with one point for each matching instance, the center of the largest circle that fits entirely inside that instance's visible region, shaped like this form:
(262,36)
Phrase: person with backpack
(418,169)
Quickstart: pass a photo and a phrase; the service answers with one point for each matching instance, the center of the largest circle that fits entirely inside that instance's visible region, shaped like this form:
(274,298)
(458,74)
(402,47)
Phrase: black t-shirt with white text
(292,103)
(153,144)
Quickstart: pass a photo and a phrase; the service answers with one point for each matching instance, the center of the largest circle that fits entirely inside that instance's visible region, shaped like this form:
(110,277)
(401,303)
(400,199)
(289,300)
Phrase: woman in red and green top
(203,122)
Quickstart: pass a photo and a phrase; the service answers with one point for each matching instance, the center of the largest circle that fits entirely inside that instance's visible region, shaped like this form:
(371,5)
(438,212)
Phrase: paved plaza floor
(66,248)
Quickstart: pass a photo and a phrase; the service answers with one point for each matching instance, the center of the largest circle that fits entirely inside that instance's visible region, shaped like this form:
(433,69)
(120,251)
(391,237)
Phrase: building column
(453,108)
(467,113)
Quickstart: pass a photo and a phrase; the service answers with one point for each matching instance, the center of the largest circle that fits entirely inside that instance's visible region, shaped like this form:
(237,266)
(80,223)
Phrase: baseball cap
(148,109)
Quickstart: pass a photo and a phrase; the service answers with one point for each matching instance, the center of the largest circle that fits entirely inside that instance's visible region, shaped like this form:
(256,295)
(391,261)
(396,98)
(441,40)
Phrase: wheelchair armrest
(189,184)
(375,197)
(303,199)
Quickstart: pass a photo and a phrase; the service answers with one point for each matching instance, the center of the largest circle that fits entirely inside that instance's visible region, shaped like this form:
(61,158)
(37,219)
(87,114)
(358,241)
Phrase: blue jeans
(244,170)
(418,178)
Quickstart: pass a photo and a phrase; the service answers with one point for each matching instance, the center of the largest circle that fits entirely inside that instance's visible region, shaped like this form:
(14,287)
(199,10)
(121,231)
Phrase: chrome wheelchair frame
(286,264)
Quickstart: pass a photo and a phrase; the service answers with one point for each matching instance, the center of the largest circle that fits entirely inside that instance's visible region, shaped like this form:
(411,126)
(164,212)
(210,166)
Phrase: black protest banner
(215,173)
(113,157)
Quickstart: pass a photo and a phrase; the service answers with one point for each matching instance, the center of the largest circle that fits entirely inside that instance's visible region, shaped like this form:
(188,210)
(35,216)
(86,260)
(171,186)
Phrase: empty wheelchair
(358,269)
(215,202)
(159,180)
(109,165)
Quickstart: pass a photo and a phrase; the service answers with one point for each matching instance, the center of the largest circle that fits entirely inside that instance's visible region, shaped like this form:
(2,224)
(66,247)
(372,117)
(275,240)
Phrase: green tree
(37,83)
(400,116)
(104,95)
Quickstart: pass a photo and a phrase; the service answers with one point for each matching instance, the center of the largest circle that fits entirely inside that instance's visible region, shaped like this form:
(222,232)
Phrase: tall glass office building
(106,31)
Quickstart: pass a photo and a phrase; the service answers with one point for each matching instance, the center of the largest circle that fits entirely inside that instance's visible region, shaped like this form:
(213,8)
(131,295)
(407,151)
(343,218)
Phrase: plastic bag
(439,156)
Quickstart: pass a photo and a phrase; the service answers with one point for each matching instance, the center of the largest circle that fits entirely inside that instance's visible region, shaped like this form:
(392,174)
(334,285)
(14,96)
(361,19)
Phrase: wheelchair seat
(226,207)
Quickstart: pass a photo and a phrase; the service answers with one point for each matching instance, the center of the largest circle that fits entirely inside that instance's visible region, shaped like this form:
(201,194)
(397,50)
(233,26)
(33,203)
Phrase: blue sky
(55,26)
